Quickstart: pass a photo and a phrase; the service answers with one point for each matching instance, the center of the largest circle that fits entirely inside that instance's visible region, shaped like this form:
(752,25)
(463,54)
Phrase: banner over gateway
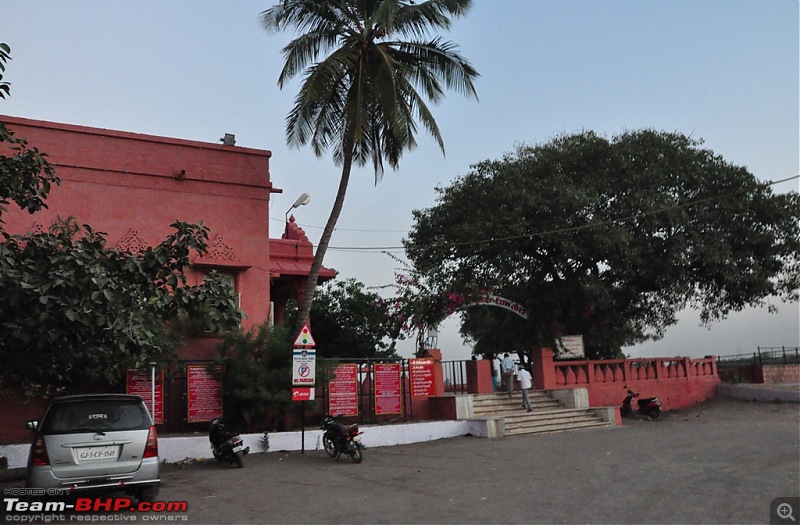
(502,302)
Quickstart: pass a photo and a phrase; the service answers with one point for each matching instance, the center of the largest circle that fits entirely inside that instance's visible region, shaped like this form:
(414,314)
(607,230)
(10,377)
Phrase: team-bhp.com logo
(45,509)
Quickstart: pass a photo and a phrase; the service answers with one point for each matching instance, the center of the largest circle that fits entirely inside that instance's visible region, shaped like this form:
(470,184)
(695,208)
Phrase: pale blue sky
(724,71)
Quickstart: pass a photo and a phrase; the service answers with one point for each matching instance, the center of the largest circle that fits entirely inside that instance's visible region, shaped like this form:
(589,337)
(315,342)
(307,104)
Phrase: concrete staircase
(548,414)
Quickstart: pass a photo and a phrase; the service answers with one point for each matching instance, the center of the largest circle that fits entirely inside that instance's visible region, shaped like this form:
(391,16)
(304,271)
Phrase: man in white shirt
(525,384)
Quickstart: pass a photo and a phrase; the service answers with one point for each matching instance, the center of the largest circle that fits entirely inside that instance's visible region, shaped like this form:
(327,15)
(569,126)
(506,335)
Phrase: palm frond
(367,93)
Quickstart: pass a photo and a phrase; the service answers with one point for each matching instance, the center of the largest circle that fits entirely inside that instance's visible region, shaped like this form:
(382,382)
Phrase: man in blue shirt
(507,367)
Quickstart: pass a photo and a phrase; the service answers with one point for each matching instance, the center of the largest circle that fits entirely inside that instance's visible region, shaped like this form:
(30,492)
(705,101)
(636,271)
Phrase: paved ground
(721,462)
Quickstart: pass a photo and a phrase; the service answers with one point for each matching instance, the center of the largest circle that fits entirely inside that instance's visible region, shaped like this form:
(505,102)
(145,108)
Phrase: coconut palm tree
(368,67)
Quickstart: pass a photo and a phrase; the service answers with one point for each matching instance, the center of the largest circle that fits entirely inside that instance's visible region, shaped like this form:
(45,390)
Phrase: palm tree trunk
(304,309)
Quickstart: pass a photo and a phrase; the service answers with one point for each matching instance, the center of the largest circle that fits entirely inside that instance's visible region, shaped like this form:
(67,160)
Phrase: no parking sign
(304,361)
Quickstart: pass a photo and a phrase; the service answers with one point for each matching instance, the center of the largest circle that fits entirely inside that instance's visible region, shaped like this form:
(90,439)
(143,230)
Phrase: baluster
(582,375)
(569,378)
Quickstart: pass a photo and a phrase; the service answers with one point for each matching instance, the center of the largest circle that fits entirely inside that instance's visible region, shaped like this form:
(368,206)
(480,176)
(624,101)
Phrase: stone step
(512,411)
(558,427)
(564,420)
(548,414)
(488,407)
(499,400)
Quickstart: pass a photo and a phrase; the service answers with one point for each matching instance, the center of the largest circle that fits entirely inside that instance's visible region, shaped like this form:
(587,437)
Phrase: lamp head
(302,200)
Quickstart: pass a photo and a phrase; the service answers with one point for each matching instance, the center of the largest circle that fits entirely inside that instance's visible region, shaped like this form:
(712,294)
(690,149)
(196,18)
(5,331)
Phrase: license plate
(237,448)
(98,453)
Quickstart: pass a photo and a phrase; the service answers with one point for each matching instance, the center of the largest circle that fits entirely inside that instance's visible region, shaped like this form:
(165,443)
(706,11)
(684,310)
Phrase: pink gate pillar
(438,372)
(479,377)
(543,371)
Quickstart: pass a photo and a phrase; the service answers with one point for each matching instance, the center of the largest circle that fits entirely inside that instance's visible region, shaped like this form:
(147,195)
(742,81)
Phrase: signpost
(304,370)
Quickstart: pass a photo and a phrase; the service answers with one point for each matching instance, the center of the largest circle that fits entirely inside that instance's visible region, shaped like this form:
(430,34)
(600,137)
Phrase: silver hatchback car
(97,443)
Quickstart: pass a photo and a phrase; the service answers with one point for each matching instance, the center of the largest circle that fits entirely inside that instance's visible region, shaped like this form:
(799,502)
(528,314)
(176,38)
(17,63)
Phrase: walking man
(507,366)
(525,384)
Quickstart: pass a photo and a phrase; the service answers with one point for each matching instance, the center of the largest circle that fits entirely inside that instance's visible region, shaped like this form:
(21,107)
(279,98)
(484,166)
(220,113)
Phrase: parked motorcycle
(648,406)
(341,439)
(227,446)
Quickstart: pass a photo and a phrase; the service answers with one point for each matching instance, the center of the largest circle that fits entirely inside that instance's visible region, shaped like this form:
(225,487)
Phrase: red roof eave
(280,267)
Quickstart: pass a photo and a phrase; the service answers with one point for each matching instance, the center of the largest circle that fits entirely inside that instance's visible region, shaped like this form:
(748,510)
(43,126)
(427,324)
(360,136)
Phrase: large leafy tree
(368,67)
(81,311)
(609,238)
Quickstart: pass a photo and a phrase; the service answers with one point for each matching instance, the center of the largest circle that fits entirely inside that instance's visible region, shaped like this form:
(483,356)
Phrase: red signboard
(138,383)
(388,395)
(343,390)
(302,394)
(204,392)
(422,384)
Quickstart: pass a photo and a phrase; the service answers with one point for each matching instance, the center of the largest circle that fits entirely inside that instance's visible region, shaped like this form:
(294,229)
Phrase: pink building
(133,186)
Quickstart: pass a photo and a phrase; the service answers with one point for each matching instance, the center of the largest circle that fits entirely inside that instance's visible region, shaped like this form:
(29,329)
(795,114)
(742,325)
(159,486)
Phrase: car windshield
(100,415)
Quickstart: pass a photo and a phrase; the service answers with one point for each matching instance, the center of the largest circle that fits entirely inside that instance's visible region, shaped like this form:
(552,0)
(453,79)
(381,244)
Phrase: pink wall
(678,382)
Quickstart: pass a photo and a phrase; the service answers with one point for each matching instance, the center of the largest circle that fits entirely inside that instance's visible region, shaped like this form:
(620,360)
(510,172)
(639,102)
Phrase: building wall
(133,186)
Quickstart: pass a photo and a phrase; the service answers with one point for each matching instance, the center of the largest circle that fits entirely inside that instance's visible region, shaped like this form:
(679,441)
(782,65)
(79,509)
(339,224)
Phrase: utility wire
(528,236)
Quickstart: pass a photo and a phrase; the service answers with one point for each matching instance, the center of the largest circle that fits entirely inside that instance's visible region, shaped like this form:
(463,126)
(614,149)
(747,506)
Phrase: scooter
(648,406)
(339,439)
(227,446)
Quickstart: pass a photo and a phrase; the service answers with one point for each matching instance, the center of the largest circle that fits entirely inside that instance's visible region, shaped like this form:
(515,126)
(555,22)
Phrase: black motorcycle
(227,446)
(341,439)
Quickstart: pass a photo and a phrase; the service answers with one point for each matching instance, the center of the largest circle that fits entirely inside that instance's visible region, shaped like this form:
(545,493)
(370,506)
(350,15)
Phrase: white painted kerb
(176,449)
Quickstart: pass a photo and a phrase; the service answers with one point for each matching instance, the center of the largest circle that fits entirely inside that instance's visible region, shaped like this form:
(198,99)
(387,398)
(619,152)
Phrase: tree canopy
(25,174)
(609,238)
(350,321)
(81,311)
(377,66)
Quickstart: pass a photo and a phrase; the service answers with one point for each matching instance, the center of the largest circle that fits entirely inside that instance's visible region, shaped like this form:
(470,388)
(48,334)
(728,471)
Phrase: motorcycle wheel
(655,413)
(356,454)
(238,459)
(327,444)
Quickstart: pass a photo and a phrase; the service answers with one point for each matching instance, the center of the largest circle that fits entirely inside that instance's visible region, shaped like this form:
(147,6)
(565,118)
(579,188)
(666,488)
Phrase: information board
(204,392)
(304,367)
(343,390)
(388,393)
(421,372)
(570,347)
(138,383)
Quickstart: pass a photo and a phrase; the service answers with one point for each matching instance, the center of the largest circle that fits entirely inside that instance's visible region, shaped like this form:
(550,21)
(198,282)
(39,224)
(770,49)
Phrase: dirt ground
(720,462)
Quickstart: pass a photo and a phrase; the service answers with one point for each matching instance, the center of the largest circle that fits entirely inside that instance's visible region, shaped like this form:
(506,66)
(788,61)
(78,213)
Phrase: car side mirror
(32,425)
